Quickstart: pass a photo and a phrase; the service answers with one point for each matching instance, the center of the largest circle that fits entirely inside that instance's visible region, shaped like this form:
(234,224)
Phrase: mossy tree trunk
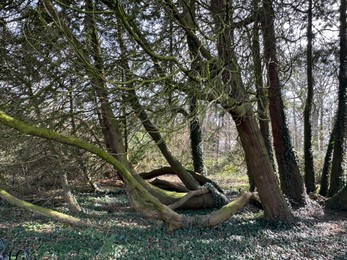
(196,142)
(44,211)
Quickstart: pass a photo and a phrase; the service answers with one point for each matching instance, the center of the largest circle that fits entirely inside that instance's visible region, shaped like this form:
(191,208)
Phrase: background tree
(336,182)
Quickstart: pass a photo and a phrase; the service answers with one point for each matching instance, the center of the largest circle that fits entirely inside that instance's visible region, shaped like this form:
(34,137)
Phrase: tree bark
(336,181)
(196,138)
(189,13)
(291,181)
(309,169)
(261,170)
(324,184)
(338,201)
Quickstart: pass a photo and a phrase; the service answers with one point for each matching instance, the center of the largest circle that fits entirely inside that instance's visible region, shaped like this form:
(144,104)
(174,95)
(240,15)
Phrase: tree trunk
(291,181)
(259,163)
(262,95)
(338,201)
(261,170)
(324,184)
(196,138)
(336,181)
(69,198)
(110,126)
(309,169)
(189,12)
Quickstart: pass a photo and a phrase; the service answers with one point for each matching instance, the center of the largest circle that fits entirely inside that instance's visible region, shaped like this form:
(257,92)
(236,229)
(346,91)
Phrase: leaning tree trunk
(110,125)
(262,97)
(259,163)
(336,181)
(291,181)
(309,169)
(261,170)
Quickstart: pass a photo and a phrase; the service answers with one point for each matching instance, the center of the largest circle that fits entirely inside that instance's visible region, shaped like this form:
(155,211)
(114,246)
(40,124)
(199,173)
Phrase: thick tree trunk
(336,181)
(291,181)
(261,170)
(338,201)
(309,169)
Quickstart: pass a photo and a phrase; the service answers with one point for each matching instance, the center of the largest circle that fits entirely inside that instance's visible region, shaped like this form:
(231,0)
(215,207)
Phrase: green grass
(131,236)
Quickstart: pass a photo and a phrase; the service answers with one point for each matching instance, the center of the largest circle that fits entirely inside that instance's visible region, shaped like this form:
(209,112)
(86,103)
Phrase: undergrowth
(131,236)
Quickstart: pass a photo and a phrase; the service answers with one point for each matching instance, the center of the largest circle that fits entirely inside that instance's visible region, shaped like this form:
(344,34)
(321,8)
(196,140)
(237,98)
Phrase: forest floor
(318,234)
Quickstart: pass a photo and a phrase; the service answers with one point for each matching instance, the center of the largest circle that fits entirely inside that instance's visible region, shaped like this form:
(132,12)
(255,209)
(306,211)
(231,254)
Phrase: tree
(217,78)
(291,181)
(336,181)
(309,169)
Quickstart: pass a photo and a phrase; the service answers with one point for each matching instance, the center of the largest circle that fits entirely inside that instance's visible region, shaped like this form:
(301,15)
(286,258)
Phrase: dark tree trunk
(338,201)
(196,138)
(324,184)
(262,98)
(262,95)
(291,181)
(309,169)
(195,125)
(336,181)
